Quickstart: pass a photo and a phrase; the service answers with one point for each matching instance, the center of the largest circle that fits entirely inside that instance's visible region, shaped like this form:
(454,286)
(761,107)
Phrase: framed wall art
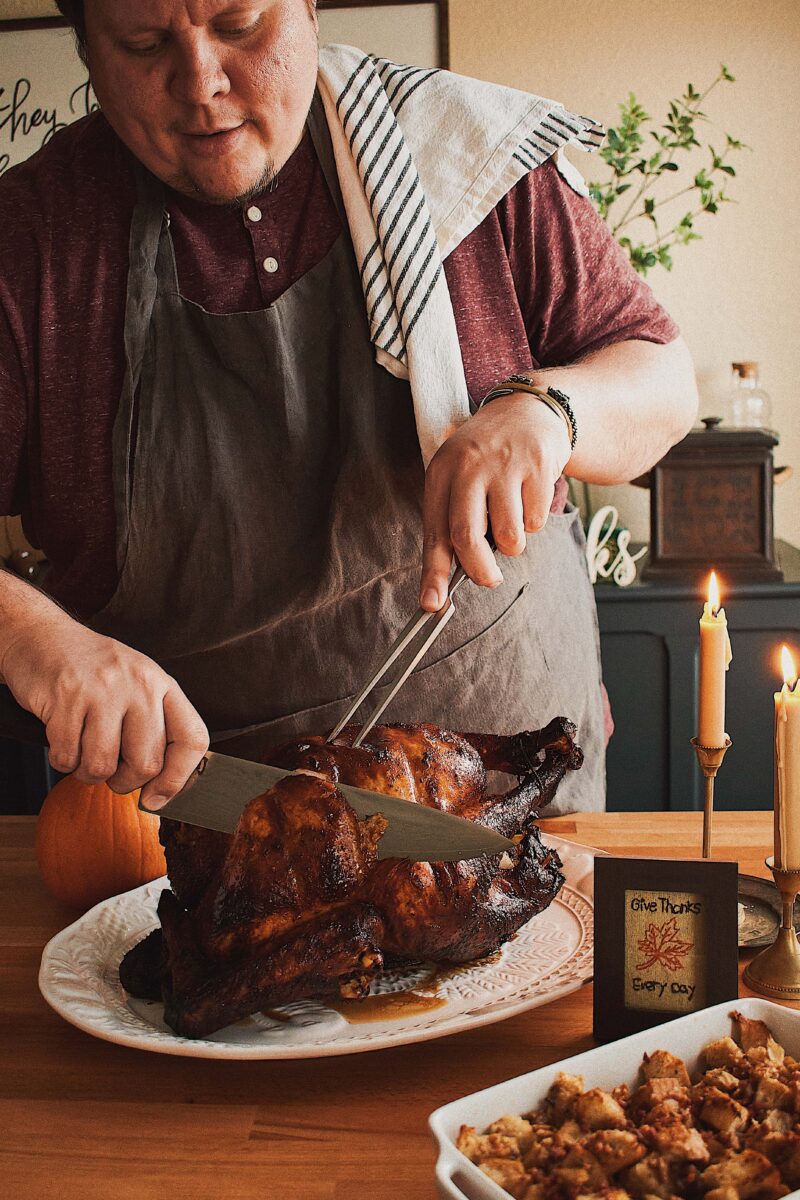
(410,31)
(21,13)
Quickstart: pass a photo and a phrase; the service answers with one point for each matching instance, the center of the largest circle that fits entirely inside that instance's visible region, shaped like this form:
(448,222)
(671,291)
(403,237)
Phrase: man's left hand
(500,466)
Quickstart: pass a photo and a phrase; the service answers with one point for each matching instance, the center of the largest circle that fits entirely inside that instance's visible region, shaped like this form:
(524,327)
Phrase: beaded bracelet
(552,397)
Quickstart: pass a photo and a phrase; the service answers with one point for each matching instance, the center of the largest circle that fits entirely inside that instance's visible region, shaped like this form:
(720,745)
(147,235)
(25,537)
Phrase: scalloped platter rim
(548,957)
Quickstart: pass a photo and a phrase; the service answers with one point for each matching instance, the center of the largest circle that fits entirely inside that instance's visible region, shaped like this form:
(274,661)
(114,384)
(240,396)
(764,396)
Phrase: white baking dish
(606,1066)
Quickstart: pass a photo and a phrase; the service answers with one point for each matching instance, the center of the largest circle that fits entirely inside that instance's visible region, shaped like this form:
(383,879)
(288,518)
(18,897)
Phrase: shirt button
(270,265)
(254,213)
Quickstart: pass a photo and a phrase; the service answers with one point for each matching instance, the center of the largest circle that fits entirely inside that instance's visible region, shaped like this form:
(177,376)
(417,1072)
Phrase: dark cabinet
(25,778)
(650,644)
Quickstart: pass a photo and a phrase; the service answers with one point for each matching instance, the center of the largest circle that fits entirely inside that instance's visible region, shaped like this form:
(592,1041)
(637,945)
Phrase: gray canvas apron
(268,487)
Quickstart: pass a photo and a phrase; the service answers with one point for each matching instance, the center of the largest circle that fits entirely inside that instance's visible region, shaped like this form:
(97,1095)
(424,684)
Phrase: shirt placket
(267,250)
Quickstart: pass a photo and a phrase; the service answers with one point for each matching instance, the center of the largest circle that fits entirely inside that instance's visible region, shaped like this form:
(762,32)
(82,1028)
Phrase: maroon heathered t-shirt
(539,282)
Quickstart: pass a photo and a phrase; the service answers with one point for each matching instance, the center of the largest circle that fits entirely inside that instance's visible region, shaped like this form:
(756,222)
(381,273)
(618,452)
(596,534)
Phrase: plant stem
(657,244)
(666,200)
(637,197)
(689,188)
(648,175)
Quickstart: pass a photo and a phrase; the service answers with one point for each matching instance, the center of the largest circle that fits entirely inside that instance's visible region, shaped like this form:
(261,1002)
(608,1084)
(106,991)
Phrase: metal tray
(761,902)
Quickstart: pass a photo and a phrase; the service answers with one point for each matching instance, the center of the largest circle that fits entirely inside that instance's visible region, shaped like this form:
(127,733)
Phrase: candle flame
(713,593)
(788,668)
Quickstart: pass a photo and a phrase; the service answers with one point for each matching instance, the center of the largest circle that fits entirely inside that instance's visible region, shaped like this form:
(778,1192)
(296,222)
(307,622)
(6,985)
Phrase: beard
(198,190)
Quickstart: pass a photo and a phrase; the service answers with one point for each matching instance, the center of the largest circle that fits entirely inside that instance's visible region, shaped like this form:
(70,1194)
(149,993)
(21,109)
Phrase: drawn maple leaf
(660,944)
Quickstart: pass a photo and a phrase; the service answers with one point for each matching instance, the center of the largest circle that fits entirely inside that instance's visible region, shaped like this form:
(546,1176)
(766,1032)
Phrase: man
(229,486)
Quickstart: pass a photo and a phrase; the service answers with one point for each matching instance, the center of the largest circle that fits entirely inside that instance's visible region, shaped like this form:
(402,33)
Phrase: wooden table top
(83,1118)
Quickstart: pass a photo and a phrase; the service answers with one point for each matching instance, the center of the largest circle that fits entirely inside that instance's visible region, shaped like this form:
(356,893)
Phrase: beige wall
(734,294)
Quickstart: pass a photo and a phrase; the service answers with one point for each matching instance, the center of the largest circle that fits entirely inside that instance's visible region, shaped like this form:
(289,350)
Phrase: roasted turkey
(296,903)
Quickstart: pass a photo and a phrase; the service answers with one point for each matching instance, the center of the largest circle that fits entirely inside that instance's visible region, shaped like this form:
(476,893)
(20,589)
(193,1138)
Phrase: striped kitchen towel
(423,155)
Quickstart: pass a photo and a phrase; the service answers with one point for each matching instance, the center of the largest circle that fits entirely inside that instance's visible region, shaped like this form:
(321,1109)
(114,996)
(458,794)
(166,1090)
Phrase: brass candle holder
(775,972)
(710,759)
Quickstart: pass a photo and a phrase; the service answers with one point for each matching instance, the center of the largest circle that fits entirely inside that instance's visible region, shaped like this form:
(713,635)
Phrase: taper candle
(787,767)
(715,657)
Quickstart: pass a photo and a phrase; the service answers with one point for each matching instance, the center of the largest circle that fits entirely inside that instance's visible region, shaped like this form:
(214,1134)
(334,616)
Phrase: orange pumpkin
(92,843)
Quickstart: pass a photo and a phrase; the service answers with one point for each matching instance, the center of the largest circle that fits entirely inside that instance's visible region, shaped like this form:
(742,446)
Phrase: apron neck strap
(321,137)
(149,216)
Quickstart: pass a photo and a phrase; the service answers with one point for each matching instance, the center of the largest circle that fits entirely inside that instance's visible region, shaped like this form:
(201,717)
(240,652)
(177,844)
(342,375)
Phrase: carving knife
(217,796)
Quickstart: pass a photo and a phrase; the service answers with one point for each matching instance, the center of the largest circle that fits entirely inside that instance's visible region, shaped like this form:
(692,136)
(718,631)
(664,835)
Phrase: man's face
(211,95)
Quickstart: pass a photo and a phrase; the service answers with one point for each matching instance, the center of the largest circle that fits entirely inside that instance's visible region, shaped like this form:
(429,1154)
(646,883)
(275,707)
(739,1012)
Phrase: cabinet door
(25,778)
(636,675)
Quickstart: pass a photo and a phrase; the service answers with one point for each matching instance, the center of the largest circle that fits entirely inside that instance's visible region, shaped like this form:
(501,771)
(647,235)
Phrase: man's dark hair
(73,11)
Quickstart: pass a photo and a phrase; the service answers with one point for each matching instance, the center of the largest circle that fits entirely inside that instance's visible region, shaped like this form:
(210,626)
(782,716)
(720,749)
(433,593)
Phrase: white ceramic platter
(606,1066)
(550,956)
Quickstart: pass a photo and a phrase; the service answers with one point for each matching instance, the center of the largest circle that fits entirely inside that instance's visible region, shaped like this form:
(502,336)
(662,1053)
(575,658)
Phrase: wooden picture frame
(667,943)
(42,14)
(29,14)
(441,5)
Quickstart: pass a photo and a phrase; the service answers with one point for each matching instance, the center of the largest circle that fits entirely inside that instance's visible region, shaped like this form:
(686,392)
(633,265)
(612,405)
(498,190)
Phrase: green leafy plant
(641,159)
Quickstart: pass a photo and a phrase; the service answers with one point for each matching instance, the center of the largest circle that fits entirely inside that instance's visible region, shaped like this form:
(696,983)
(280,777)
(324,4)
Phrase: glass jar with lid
(747,405)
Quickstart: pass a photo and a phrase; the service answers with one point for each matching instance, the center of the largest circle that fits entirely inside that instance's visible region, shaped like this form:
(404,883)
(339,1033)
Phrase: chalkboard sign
(44,85)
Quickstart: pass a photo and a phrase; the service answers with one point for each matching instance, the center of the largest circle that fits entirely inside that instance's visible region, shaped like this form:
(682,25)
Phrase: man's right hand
(112,715)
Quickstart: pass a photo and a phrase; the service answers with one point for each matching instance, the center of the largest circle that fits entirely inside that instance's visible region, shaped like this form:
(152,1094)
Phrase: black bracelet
(560,398)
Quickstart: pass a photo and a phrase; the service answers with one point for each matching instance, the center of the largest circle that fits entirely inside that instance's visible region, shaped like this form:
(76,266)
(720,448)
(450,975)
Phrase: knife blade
(218,796)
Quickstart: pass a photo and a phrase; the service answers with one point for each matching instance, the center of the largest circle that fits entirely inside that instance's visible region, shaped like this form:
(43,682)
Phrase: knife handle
(17,723)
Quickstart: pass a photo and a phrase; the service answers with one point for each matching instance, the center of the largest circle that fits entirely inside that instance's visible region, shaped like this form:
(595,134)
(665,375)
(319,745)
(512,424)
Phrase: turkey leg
(337,957)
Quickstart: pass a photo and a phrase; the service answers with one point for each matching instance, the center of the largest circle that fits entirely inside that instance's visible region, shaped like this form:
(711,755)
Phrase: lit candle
(787,767)
(715,657)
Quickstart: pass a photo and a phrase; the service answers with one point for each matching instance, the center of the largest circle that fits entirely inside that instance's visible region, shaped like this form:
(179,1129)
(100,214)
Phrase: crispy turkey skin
(297,904)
